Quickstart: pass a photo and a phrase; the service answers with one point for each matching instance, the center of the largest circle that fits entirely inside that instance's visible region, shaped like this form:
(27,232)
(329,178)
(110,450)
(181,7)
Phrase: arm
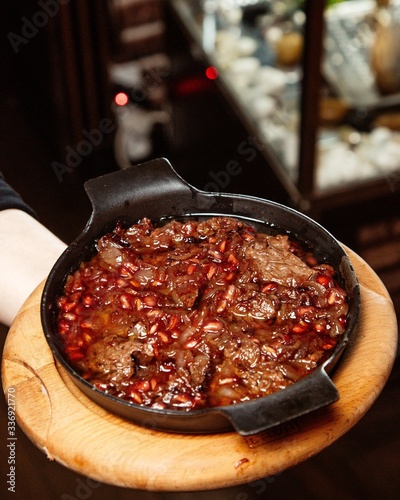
(27,253)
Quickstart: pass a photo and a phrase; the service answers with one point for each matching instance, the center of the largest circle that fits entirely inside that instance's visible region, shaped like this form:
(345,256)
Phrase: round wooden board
(73,430)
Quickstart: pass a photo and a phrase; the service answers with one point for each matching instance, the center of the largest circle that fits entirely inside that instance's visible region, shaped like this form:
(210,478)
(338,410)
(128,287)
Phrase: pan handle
(310,393)
(152,184)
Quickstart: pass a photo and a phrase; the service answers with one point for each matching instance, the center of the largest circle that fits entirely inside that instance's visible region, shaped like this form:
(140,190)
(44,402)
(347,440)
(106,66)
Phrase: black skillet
(155,190)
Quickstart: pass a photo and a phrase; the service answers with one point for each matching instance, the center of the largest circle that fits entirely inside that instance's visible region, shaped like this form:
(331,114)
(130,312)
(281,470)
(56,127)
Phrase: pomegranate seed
(269,288)
(319,327)
(191,269)
(227,298)
(61,302)
(87,338)
(86,324)
(143,386)
(222,246)
(230,292)
(328,344)
(150,301)
(76,356)
(80,309)
(154,313)
(163,336)
(69,306)
(212,270)
(331,298)
(241,462)
(88,300)
(128,269)
(304,310)
(136,397)
(167,367)
(225,381)
(270,350)
(189,344)
(72,348)
(213,326)
(218,256)
(181,398)
(77,285)
(102,386)
(222,306)
(161,276)
(248,237)
(300,328)
(311,260)
(63,327)
(153,383)
(153,329)
(172,322)
(69,316)
(121,283)
(323,280)
(232,259)
(125,301)
(124,272)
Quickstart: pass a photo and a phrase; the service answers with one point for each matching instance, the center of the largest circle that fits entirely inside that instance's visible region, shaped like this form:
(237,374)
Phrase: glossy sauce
(197,314)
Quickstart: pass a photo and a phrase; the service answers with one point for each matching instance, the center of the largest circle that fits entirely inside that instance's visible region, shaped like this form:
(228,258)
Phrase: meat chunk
(275,262)
(199,369)
(111,358)
(256,305)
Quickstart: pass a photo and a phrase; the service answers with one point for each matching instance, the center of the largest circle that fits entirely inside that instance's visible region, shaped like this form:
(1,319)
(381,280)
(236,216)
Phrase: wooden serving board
(73,430)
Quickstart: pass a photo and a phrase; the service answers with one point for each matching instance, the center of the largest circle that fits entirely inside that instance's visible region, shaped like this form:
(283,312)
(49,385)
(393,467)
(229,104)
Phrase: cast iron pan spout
(154,190)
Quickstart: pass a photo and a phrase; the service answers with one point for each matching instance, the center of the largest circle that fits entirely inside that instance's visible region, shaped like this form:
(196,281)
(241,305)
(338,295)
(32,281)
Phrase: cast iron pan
(154,190)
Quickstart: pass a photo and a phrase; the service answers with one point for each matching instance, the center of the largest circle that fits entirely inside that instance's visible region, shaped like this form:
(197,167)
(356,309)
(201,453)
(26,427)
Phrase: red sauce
(199,314)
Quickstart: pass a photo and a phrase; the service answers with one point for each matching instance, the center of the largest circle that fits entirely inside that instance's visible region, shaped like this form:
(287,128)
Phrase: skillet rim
(85,243)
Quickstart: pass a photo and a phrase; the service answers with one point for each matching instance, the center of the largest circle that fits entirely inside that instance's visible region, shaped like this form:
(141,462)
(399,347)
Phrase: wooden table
(71,429)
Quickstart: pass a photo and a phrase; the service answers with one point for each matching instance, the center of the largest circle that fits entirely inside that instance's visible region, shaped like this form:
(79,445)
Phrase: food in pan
(191,314)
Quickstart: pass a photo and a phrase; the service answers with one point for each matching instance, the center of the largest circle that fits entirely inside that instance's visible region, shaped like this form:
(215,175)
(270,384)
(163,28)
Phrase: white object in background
(127,74)
(271,79)
(262,106)
(133,137)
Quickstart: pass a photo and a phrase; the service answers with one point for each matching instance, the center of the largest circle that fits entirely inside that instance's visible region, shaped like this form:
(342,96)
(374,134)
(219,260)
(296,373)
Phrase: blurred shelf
(281,103)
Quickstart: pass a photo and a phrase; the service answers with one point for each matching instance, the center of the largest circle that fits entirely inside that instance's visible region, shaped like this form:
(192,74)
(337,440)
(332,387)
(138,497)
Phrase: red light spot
(192,85)
(121,99)
(212,72)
